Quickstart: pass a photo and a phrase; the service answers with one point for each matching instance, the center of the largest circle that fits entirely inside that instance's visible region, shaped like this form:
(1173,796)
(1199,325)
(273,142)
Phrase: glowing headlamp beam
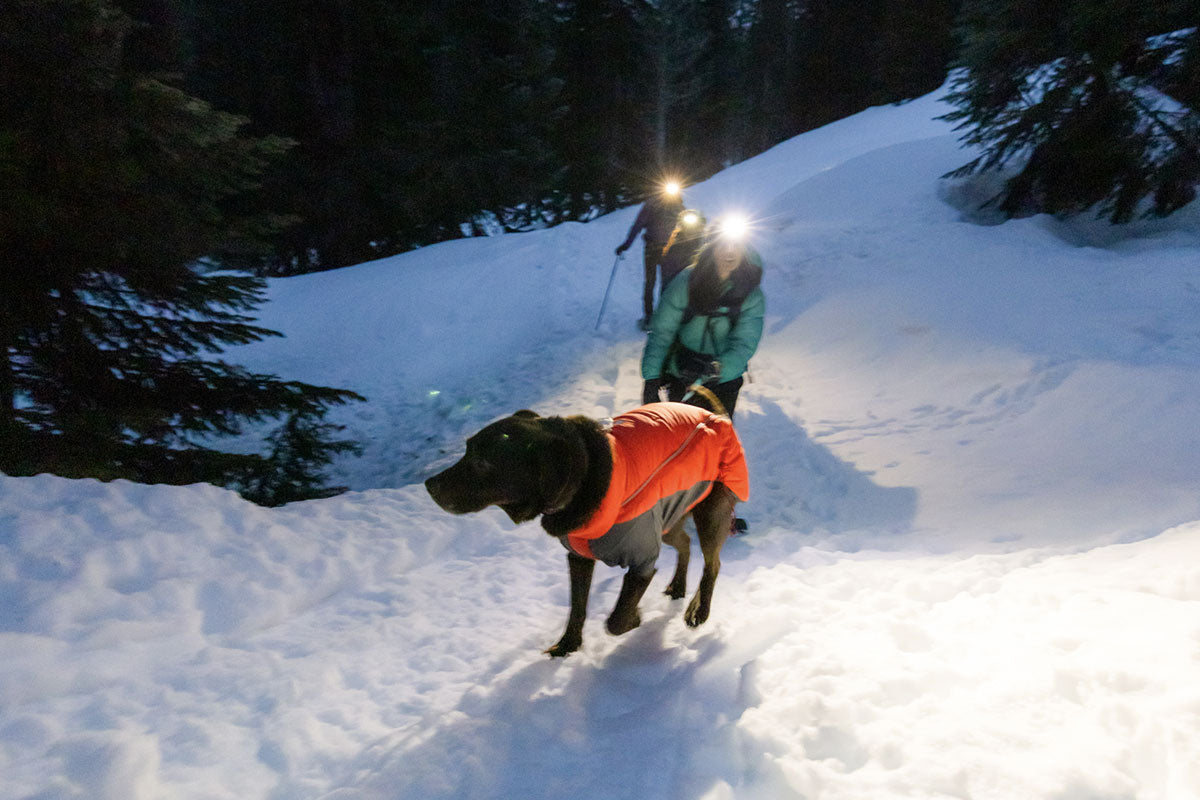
(734,227)
(671,188)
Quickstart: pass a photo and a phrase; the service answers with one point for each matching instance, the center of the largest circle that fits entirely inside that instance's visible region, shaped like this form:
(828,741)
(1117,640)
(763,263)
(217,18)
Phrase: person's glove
(650,390)
(621,248)
(706,374)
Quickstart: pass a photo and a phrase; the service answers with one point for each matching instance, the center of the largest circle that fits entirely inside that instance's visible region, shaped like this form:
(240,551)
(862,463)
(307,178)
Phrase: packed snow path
(973,569)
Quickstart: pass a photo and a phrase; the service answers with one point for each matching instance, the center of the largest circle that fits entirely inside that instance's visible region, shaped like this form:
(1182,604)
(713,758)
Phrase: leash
(719,408)
(699,388)
(607,291)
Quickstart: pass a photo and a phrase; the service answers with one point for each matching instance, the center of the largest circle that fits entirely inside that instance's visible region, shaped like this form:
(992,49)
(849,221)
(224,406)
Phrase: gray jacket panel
(634,544)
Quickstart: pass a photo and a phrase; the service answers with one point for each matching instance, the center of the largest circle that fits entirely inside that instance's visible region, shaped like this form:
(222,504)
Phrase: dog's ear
(561,469)
(525,413)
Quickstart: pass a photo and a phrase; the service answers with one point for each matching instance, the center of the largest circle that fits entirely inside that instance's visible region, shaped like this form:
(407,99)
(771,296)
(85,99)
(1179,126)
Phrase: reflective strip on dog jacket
(666,457)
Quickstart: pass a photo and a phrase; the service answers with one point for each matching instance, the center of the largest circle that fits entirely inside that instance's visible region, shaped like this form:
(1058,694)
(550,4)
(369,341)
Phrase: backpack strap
(745,280)
(731,311)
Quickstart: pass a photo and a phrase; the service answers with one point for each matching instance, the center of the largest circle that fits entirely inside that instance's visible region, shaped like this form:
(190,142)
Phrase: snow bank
(971,570)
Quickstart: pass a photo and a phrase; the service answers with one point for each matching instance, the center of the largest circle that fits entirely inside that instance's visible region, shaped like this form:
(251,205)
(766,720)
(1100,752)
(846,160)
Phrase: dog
(610,493)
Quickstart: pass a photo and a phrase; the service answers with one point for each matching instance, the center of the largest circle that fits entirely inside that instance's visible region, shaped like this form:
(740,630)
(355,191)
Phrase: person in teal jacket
(707,326)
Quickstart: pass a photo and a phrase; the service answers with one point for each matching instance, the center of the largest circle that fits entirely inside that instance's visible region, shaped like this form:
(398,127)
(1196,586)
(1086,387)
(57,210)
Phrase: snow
(973,569)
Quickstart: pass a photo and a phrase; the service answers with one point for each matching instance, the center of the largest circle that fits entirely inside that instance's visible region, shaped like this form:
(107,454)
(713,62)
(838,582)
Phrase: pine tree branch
(1188,147)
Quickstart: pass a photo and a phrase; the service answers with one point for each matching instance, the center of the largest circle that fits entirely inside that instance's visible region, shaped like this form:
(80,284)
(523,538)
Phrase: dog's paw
(697,612)
(675,592)
(616,625)
(563,648)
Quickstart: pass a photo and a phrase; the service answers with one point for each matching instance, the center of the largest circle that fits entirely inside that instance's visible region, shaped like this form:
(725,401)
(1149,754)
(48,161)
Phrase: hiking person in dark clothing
(681,249)
(657,218)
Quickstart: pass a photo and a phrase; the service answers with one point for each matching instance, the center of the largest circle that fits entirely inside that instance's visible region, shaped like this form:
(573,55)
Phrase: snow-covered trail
(971,571)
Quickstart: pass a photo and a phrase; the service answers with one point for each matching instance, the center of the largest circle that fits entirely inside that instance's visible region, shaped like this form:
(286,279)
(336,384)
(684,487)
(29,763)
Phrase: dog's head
(525,464)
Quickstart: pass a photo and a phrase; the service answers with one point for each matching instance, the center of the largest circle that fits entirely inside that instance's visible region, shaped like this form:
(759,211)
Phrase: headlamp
(734,228)
(671,188)
(690,218)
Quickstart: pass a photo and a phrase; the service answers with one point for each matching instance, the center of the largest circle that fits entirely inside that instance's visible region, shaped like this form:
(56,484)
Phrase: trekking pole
(608,290)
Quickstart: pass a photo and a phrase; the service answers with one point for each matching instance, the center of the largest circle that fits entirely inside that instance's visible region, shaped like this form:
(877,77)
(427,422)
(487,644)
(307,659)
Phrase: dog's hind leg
(677,537)
(581,570)
(625,616)
(712,525)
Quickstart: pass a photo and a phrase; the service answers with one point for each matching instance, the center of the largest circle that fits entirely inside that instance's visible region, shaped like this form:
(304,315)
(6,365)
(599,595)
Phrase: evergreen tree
(837,49)
(676,46)
(301,449)
(717,128)
(116,185)
(771,72)
(913,48)
(412,118)
(485,146)
(1178,70)
(602,140)
(1073,93)
(292,68)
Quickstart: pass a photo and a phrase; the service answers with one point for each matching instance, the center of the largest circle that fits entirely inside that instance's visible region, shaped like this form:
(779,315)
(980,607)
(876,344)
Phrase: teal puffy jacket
(709,334)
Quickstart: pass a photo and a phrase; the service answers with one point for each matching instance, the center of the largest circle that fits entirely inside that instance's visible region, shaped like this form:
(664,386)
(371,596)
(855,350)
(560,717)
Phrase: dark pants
(668,275)
(726,392)
(651,256)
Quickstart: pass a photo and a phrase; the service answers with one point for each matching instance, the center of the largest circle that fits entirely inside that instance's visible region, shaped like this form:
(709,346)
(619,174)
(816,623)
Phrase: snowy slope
(972,572)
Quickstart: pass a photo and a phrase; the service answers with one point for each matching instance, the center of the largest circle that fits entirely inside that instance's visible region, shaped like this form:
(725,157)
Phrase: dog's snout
(452,491)
(436,486)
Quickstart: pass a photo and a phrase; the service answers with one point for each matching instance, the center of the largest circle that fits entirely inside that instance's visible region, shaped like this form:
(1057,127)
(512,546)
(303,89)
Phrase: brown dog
(612,494)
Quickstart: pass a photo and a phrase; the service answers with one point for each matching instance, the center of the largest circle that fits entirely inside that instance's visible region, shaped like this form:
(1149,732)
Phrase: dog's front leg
(581,570)
(625,616)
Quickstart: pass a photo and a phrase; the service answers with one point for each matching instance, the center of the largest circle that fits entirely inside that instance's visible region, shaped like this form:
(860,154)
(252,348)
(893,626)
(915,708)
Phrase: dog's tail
(699,388)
